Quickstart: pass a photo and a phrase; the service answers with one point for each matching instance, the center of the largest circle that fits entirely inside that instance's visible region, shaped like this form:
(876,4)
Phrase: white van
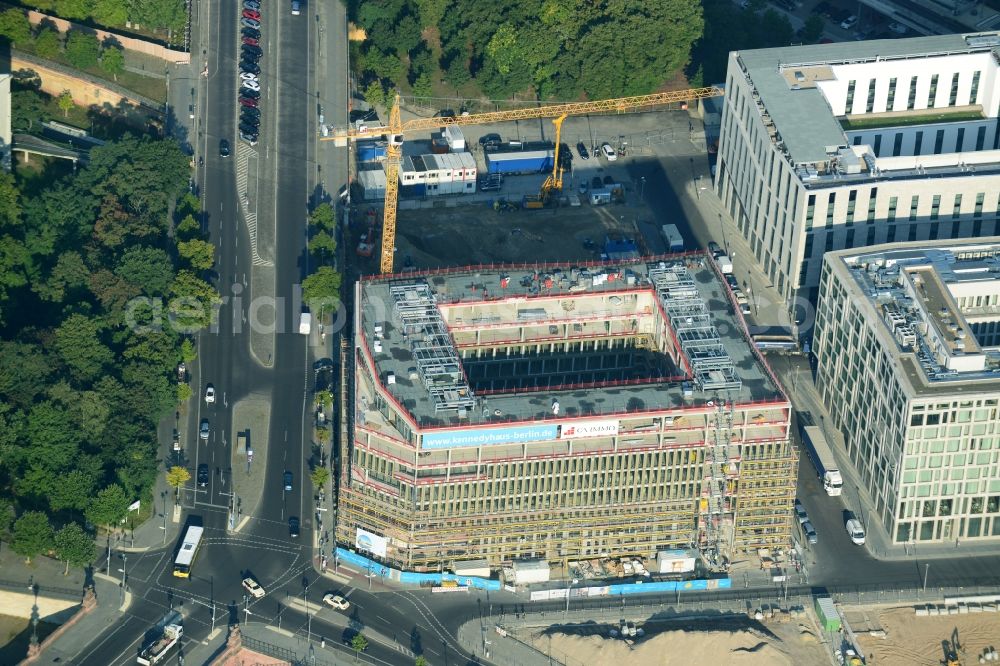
(856,531)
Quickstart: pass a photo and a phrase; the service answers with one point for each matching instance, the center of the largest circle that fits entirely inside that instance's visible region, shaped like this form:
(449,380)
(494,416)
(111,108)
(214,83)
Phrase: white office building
(853,144)
(907,346)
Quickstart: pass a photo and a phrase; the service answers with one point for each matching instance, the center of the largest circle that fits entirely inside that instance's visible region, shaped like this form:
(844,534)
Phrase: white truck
(673,238)
(823,460)
(154,653)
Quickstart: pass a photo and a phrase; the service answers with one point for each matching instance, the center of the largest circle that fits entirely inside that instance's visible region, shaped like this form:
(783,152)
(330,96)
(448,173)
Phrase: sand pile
(917,641)
(742,648)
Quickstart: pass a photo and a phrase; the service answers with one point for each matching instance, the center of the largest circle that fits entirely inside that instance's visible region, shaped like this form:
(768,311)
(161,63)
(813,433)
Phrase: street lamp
(124,576)
(642,186)
(569,586)
(305,598)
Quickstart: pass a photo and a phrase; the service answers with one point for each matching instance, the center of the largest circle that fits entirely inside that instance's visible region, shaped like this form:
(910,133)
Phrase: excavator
(553,183)
(396,130)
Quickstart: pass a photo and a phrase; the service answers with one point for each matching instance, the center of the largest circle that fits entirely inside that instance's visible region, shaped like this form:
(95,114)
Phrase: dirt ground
(917,641)
(747,644)
(465,235)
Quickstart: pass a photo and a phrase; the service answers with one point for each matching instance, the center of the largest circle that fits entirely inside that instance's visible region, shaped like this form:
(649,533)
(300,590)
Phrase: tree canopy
(88,354)
(597,48)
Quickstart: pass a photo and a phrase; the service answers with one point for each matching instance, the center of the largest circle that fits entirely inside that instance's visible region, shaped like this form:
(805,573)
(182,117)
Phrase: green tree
(188,228)
(188,351)
(6,517)
(184,393)
(188,204)
(73,9)
(82,49)
(108,507)
(812,31)
(147,268)
(14,26)
(47,43)
(422,87)
(359,644)
(110,12)
(323,217)
(375,94)
(25,369)
(74,547)
(32,535)
(78,341)
(192,304)
(27,107)
(66,103)
(320,476)
(322,243)
(199,254)
(321,291)
(176,478)
(113,61)
(73,491)
(420,661)
(431,11)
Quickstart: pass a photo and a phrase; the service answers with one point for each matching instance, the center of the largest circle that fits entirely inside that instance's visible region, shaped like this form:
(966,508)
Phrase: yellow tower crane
(397,129)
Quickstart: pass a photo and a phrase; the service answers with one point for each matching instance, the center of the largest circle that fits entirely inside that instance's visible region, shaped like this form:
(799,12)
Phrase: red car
(251,41)
(251,14)
(248,101)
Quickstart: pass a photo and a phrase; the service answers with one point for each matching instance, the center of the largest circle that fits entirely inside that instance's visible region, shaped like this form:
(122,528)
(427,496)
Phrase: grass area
(148,86)
(15,635)
(877,122)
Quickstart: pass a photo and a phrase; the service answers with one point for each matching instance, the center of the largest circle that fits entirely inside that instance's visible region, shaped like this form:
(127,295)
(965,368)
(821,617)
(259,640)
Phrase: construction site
(611,407)
(561,413)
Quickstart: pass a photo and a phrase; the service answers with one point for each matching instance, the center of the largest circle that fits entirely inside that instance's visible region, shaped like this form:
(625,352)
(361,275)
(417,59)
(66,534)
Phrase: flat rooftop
(800,110)
(471,305)
(925,295)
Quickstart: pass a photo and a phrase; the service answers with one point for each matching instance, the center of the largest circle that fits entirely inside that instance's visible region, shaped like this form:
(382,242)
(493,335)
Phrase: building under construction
(560,412)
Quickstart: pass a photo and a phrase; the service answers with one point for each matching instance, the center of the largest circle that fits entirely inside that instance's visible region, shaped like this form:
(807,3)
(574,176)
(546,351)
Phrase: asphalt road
(225,360)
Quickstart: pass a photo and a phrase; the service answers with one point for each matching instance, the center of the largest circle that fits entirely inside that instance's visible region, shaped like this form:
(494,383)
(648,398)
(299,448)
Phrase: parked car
(715,250)
(247,66)
(800,512)
(253,587)
(204,429)
(251,129)
(250,23)
(293,527)
(250,41)
(810,532)
(253,33)
(251,14)
(849,22)
(255,51)
(582,151)
(336,601)
(731,281)
(202,475)
(251,4)
(250,112)
(608,152)
(248,102)
(250,84)
(249,138)
(295,7)
(288,481)
(856,531)
(898,28)
(491,139)
(254,94)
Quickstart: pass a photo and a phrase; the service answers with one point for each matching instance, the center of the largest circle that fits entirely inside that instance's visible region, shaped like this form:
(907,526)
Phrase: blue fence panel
(409,577)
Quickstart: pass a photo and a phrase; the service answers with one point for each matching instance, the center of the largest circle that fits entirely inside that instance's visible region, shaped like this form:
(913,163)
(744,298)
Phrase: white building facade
(908,366)
(845,145)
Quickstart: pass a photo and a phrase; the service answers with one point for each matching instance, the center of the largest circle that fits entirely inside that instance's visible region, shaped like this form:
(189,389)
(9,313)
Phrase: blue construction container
(370,151)
(415,190)
(519,162)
